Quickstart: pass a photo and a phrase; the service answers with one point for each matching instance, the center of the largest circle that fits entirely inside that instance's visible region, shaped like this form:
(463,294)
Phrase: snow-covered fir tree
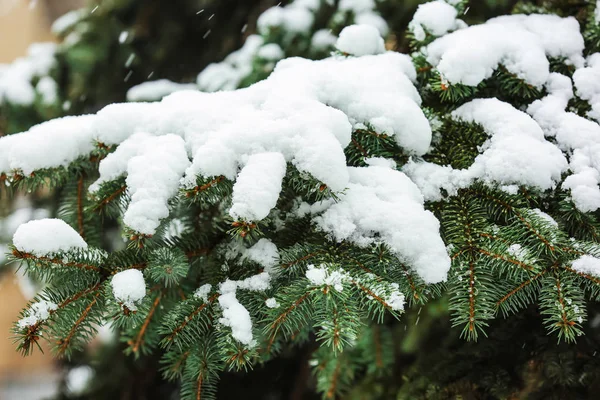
(308,196)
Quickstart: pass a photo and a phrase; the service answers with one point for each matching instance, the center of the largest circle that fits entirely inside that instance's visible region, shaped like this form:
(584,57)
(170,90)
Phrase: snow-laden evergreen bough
(331,195)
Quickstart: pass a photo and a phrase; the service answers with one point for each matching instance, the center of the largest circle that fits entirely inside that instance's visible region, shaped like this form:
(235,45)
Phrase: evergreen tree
(309,218)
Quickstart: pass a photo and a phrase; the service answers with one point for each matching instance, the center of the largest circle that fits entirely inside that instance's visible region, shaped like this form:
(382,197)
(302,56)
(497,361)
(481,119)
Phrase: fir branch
(64,343)
(187,319)
(80,195)
(331,392)
(135,345)
(110,197)
(589,277)
(213,182)
(507,259)
(299,260)
(28,256)
(283,316)
(519,288)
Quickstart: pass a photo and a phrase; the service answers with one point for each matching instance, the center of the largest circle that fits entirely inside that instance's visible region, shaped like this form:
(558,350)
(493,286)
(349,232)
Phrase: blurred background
(23,22)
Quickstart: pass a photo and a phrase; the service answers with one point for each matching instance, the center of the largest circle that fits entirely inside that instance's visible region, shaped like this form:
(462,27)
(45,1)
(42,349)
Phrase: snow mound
(129,287)
(47,236)
(522,43)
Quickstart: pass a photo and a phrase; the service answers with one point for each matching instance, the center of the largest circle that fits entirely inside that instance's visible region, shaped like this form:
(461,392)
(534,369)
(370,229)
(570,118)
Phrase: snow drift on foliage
(395,212)
(515,154)
(574,134)
(436,18)
(360,40)
(522,43)
(47,236)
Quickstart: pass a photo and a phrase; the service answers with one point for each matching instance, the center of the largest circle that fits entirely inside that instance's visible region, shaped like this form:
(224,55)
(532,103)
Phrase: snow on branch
(521,43)
(303,114)
(515,154)
(574,134)
(47,236)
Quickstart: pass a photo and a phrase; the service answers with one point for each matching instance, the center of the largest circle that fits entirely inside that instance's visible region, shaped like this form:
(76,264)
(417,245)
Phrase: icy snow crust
(303,115)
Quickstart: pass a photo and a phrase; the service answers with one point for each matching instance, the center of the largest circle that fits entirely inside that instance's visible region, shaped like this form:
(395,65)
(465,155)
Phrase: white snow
(203,291)
(356,6)
(360,40)
(292,20)
(573,134)
(271,302)
(66,21)
(516,153)
(156,90)
(235,315)
(436,17)
(396,299)
(257,187)
(47,236)
(312,5)
(395,214)
(316,275)
(129,287)
(51,144)
(152,179)
(302,114)
(517,251)
(547,218)
(228,74)
(271,52)
(519,42)
(373,19)
(323,276)
(586,82)
(48,90)
(123,36)
(259,282)
(264,253)
(337,277)
(380,162)
(37,312)
(16,78)
(587,264)
(307,133)
(323,39)
(78,379)
(24,213)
